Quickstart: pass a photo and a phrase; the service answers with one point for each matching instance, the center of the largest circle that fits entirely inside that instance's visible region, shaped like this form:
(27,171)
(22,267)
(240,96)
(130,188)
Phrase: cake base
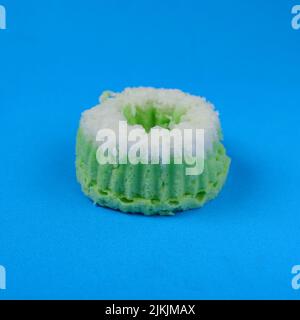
(148,188)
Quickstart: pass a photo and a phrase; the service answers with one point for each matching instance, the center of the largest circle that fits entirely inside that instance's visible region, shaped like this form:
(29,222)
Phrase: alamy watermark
(296,18)
(2,278)
(159,146)
(296,278)
(2,17)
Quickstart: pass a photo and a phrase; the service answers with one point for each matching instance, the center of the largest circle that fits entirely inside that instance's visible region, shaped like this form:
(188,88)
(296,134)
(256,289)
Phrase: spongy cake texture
(150,188)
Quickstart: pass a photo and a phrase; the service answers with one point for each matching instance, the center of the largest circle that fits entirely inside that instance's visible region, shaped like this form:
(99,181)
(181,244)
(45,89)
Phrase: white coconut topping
(198,113)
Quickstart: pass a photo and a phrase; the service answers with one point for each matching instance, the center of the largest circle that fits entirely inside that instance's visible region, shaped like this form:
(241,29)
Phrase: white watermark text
(296,278)
(2,17)
(2,278)
(296,17)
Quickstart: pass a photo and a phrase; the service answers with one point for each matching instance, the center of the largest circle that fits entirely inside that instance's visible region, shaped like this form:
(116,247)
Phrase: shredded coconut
(199,114)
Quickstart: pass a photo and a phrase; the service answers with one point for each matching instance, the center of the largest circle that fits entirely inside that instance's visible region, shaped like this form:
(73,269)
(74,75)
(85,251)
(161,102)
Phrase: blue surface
(56,57)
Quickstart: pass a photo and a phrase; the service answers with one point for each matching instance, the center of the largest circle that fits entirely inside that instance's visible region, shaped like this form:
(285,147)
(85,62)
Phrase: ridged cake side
(148,188)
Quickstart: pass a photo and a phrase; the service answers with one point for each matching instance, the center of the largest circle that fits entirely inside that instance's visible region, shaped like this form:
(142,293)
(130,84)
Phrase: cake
(143,186)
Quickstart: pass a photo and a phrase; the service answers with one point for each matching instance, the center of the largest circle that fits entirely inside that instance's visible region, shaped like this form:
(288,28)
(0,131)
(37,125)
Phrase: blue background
(56,57)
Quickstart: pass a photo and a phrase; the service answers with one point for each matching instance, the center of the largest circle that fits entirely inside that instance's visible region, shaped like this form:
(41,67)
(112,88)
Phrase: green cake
(143,186)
